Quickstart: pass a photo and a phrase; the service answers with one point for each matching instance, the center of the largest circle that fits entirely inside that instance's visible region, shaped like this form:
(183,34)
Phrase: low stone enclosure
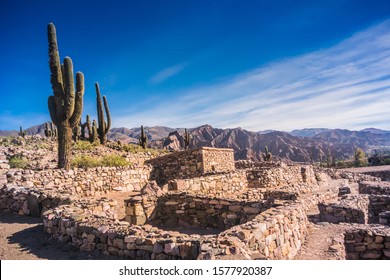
(198,204)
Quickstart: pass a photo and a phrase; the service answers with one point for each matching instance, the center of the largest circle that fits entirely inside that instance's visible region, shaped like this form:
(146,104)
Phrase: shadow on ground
(23,238)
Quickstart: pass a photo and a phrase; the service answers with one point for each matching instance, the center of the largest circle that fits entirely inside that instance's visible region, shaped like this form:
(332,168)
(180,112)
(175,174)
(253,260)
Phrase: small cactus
(267,156)
(186,139)
(143,139)
(93,134)
(22,132)
(104,127)
(83,126)
(48,132)
(76,133)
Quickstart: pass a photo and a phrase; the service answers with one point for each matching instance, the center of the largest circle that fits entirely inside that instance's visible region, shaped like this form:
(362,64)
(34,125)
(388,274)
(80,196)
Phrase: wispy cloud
(347,85)
(167,73)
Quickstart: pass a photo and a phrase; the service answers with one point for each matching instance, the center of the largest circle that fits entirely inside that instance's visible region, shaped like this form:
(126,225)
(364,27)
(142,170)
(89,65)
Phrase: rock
(169,248)
(371,255)
(33,206)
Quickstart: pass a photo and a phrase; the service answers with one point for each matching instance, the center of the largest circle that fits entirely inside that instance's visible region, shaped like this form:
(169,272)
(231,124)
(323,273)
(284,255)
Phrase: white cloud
(166,73)
(345,86)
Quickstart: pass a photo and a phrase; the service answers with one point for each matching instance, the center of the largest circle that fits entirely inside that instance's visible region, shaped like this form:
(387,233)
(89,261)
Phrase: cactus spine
(143,139)
(186,139)
(66,105)
(267,156)
(104,127)
(22,132)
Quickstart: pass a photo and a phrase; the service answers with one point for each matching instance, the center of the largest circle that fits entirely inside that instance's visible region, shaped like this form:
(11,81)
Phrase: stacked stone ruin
(195,204)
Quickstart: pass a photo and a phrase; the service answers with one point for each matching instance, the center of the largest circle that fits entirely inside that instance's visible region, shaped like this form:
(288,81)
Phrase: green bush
(18,162)
(133,148)
(85,161)
(84,146)
(114,160)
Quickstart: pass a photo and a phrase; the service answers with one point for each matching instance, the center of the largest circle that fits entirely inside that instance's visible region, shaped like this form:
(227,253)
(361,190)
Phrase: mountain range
(298,145)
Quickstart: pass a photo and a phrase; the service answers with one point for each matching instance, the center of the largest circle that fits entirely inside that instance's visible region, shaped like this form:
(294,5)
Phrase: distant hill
(308,132)
(298,145)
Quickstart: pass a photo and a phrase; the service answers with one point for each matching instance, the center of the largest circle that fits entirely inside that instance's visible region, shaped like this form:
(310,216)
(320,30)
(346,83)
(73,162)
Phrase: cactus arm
(53,109)
(78,100)
(54,62)
(100,112)
(108,125)
(69,92)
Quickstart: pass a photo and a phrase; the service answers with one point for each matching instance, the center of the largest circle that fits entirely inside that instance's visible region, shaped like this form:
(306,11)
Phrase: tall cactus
(143,139)
(66,105)
(186,139)
(103,127)
(267,156)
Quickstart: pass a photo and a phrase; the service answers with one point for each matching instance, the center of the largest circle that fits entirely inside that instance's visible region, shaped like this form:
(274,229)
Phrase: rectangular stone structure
(191,163)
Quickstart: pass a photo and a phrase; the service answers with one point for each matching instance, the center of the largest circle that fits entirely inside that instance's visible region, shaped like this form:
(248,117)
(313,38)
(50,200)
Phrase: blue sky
(255,64)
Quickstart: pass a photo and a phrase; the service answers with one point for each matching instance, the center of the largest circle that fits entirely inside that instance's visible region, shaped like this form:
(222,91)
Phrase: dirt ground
(22,238)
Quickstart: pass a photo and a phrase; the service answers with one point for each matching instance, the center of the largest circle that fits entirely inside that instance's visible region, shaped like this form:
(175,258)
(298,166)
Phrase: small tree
(359,157)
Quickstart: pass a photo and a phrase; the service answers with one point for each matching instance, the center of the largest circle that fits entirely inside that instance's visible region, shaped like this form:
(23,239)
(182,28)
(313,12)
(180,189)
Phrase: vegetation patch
(84,145)
(132,148)
(86,161)
(18,161)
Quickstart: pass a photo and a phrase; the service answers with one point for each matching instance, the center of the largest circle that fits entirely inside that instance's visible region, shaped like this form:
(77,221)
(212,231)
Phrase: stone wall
(191,163)
(217,160)
(353,209)
(221,185)
(279,176)
(367,243)
(378,204)
(380,188)
(204,212)
(361,209)
(34,202)
(89,182)
(383,175)
(4,167)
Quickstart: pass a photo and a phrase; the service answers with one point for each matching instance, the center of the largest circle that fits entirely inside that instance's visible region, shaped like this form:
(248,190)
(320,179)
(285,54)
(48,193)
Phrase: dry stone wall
(217,160)
(352,209)
(280,176)
(367,243)
(84,182)
(221,185)
(204,212)
(191,163)
(380,188)
(4,167)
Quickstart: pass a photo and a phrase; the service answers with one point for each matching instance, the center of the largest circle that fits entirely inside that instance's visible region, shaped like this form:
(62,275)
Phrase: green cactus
(104,127)
(143,139)
(48,132)
(54,131)
(66,105)
(22,132)
(186,139)
(267,156)
(93,132)
(76,133)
